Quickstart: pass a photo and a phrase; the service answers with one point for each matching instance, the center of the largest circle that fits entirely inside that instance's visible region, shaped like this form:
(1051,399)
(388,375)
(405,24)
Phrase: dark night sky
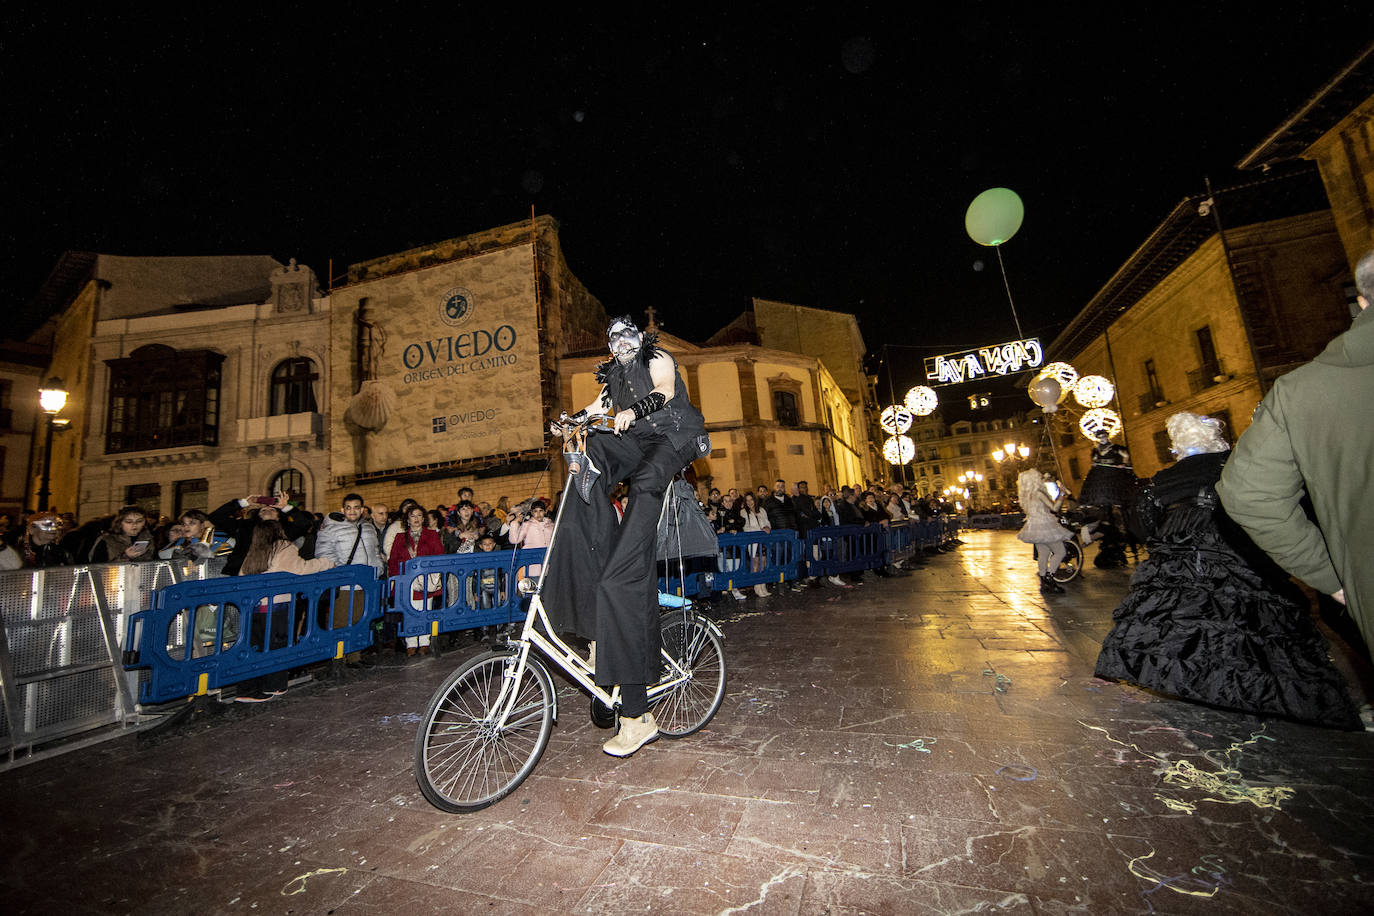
(693,161)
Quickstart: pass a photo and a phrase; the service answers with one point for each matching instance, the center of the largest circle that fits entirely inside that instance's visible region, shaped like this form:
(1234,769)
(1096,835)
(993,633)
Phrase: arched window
(289,482)
(293,387)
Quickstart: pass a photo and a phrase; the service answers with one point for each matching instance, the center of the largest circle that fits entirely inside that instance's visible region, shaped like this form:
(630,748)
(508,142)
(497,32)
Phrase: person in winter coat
(128,539)
(1313,435)
(1042,526)
(229,520)
(40,547)
(417,540)
(347,538)
(534,531)
(271,551)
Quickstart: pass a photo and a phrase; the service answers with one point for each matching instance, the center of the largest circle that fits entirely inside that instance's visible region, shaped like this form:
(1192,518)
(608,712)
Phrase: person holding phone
(128,539)
(1042,526)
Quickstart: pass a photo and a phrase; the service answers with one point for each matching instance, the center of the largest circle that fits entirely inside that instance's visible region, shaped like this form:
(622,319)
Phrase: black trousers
(601,582)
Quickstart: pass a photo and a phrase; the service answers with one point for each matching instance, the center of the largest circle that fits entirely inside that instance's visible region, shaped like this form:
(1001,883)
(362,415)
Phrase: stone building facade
(770,413)
(944,451)
(1334,129)
(22,423)
(1204,321)
(192,406)
(198,380)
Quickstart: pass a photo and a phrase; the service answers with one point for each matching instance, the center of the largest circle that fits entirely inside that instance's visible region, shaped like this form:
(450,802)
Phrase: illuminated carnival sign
(1000,359)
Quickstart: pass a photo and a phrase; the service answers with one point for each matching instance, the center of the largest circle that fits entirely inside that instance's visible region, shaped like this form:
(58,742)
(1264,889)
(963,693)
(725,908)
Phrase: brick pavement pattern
(931,743)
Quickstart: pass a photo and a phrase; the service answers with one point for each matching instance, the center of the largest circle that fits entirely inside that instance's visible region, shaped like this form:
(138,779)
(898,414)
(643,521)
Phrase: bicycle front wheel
(695,645)
(1072,564)
(463,760)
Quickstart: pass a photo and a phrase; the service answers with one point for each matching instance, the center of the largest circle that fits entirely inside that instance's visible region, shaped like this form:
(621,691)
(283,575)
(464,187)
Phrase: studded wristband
(647,405)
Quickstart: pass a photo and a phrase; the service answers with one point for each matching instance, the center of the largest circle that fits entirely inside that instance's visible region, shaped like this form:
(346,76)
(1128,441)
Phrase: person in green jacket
(1314,433)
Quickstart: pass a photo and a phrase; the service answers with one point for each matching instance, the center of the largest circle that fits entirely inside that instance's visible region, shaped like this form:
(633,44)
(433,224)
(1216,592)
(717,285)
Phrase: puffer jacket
(1314,433)
(336,538)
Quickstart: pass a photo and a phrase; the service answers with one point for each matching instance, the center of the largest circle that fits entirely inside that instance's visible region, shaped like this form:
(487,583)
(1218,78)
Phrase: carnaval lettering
(1001,359)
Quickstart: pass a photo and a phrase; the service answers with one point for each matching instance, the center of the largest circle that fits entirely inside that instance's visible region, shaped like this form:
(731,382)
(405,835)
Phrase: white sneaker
(634,734)
(736,594)
(762,591)
(838,582)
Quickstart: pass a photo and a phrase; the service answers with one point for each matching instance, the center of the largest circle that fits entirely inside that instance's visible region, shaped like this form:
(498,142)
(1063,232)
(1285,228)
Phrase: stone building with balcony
(1232,290)
(968,448)
(192,381)
(1237,285)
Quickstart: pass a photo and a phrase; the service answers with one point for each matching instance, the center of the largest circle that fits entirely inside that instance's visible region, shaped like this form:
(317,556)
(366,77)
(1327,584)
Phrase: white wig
(1192,434)
(1028,482)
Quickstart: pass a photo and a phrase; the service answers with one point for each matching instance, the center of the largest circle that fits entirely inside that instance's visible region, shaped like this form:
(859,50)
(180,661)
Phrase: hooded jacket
(1314,433)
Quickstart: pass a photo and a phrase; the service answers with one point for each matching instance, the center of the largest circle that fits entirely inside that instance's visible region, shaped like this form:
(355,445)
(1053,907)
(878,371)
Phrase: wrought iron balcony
(1204,377)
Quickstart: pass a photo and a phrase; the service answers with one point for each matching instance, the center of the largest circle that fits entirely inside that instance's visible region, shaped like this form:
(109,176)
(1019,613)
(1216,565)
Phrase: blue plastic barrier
(900,541)
(845,548)
(205,634)
(460,591)
(780,551)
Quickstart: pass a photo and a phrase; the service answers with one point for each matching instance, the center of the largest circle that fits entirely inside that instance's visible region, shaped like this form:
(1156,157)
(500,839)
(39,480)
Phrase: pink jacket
(531,533)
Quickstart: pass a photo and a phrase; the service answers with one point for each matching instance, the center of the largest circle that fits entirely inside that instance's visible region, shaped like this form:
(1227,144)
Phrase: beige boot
(762,591)
(634,734)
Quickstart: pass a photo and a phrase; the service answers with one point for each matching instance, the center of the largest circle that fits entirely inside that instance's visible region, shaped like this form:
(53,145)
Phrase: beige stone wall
(253,448)
(464,386)
(71,363)
(1295,266)
(1345,157)
(23,432)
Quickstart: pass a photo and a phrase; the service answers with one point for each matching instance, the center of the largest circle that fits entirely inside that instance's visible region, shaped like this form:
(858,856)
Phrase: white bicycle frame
(560,653)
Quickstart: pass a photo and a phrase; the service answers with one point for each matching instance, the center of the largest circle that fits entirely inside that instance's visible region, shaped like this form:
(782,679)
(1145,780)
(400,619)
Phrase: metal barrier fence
(460,591)
(194,639)
(178,630)
(61,646)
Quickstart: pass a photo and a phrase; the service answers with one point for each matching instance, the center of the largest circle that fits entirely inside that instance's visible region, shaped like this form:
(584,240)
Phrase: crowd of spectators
(265,534)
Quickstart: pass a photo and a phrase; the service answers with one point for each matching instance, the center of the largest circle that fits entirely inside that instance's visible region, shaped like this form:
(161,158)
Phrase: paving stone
(931,743)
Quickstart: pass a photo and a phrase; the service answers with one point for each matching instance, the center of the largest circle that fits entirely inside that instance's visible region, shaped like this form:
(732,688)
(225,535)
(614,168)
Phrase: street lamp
(52,397)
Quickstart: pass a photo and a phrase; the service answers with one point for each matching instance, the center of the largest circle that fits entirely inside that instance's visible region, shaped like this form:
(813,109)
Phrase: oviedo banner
(439,364)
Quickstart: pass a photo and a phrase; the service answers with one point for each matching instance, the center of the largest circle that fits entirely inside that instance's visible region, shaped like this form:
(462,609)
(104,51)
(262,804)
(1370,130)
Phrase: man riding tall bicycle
(602,583)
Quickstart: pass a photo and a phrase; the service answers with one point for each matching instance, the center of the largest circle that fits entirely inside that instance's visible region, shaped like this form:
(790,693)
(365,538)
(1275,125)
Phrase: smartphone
(140,544)
(265,500)
(1052,488)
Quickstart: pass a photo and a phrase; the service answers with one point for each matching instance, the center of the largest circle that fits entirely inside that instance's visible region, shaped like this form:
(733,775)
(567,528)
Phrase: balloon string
(1007,284)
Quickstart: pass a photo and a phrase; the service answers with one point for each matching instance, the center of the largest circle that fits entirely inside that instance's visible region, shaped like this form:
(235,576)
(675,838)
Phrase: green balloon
(994,216)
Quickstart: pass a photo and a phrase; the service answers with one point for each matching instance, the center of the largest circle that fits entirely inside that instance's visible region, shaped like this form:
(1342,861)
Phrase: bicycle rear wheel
(463,762)
(1072,564)
(696,646)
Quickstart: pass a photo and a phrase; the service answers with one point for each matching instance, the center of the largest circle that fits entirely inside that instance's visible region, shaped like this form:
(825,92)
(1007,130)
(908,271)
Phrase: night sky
(693,161)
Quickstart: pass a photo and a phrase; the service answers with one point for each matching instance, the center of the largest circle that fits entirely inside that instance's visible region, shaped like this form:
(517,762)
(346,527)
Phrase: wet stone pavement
(929,743)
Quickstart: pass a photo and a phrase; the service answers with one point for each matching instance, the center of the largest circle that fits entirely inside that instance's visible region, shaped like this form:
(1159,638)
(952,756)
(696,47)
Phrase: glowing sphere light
(899,450)
(921,401)
(1093,391)
(1064,374)
(1100,419)
(895,419)
(994,216)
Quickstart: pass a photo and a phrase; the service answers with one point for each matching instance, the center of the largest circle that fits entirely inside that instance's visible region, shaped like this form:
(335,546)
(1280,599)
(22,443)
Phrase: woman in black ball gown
(1208,617)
